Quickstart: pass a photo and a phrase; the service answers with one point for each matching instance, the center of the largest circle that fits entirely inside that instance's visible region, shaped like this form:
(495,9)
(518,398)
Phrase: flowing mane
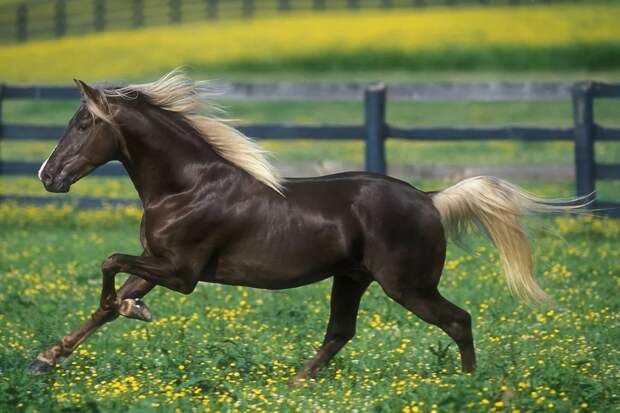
(176,92)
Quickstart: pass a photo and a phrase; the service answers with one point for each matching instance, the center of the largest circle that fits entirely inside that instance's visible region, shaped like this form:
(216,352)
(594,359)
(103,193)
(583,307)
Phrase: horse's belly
(256,279)
(300,249)
(288,269)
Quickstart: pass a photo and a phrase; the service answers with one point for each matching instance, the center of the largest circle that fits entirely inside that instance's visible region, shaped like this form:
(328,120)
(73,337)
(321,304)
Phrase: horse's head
(87,143)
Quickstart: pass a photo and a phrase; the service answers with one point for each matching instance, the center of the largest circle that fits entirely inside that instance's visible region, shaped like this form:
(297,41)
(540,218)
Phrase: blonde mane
(176,92)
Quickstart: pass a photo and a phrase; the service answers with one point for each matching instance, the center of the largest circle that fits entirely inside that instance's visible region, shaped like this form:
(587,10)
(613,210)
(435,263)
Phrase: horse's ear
(87,92)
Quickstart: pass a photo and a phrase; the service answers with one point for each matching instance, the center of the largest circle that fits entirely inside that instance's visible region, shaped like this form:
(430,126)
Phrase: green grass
(570,57)
(540,113)
(364,75)
(238,347)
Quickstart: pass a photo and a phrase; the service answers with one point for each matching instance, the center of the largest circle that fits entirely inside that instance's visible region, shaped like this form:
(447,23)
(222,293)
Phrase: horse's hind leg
(345,301)
(430,306)
(133,289)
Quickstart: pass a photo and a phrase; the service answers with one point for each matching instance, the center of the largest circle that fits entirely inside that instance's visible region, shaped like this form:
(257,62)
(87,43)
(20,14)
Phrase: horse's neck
(168,157)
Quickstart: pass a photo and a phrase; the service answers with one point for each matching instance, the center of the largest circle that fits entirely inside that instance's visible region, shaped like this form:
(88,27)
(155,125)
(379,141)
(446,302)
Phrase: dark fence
(56,18)
(375,129)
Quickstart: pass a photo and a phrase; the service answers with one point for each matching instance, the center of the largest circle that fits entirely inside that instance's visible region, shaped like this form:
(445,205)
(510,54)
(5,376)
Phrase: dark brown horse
(216,211)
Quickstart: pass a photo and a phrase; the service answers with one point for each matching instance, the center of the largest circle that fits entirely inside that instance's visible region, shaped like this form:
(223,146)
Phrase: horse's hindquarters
(404,241)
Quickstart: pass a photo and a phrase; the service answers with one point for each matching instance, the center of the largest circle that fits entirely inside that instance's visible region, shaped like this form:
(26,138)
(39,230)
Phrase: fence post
(583,119)
(2,87)
(284,5)
(60,18)
(174,11)
(248,8)
(211,9)
(99,17)
(138,13)
(374,124)
(22,22)
(318,4)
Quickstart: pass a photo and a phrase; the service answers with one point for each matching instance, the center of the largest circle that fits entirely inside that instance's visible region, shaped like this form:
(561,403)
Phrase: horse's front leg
(133,289)
(155,270)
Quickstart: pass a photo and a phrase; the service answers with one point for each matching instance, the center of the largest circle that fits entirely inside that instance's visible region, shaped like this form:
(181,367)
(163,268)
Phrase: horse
(216,211)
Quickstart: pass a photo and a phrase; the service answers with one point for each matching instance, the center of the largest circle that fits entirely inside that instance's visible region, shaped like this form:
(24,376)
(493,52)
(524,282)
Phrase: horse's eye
(83,126)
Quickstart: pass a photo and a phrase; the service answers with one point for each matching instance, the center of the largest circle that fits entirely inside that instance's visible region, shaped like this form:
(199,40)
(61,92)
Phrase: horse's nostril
(47,178)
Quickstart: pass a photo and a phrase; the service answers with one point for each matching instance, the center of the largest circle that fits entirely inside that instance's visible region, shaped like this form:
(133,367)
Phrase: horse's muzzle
(56,184)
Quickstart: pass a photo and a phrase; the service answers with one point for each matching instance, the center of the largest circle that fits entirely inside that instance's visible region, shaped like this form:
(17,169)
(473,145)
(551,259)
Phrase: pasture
(235,349)
(563,38)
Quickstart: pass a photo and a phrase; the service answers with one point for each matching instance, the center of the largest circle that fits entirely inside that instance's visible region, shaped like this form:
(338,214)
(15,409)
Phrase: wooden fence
(27,20)
(375,130)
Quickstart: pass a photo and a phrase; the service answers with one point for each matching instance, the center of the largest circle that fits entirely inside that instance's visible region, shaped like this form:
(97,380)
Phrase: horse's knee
(184,286)
(460,328)
(110,265)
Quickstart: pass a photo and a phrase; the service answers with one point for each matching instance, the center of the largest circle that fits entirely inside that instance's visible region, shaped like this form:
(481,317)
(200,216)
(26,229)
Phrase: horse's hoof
(296,381)
(135,308)
(299,380)
(39,366)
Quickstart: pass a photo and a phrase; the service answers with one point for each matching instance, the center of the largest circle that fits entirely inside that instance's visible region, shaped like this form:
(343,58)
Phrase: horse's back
(389,213)
(363,194)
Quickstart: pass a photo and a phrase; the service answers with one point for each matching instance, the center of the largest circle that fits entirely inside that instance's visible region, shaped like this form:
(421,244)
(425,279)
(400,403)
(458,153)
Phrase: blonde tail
(496,205)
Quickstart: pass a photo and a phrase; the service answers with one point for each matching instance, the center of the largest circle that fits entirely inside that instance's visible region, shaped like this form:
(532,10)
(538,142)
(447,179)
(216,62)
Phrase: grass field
(235,349)
(564,37)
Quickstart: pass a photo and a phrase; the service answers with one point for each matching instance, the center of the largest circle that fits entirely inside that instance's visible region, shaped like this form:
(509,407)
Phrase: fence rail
(347,91)
(28,20)
(375,130)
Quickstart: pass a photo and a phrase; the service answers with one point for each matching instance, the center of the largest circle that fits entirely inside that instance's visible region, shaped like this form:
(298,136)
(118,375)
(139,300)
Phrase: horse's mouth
(58,187)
